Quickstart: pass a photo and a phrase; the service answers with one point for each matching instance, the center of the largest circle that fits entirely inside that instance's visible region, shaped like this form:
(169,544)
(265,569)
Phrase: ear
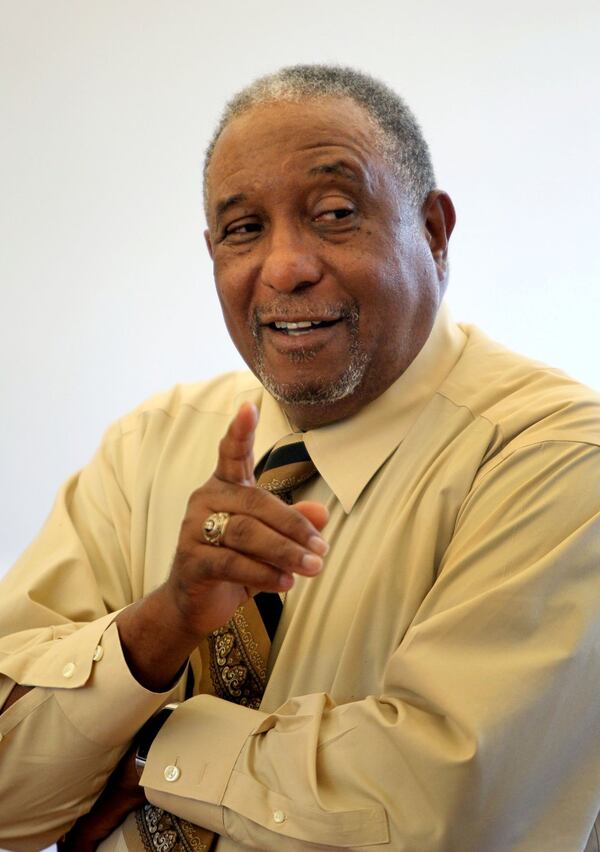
(208,243)
(439,218)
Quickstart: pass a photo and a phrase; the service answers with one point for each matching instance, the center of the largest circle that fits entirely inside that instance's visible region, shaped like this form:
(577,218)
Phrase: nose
(291,262)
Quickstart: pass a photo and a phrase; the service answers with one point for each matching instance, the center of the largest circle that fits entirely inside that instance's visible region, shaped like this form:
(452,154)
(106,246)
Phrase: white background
(106,107)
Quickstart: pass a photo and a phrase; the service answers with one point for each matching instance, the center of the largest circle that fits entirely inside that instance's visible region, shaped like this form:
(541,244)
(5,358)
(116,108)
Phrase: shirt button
(98,653)
(278,817)
(69,670)
(172,773)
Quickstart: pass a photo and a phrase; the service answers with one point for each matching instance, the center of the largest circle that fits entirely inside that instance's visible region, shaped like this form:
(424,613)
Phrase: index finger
(236,448)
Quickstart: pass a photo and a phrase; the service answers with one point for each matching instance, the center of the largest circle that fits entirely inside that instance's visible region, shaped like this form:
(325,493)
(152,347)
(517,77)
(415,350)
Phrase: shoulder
(218,397)
(172,431)
(177,423)
(523,401)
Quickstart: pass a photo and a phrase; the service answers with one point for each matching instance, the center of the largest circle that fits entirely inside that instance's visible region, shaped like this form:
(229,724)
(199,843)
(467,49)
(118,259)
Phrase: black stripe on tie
(270,608)
(288,454)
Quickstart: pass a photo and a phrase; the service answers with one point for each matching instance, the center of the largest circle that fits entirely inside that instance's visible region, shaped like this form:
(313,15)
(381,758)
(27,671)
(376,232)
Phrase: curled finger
(248,535)
(224,565)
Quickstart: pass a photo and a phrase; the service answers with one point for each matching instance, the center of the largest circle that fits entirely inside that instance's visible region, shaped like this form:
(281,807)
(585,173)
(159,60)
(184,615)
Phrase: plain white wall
(106,108)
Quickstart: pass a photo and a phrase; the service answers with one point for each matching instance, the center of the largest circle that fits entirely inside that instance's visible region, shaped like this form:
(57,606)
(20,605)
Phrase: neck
(313,416)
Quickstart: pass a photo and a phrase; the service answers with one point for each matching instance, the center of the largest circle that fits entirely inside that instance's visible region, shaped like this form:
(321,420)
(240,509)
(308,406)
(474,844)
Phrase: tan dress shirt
(435,688)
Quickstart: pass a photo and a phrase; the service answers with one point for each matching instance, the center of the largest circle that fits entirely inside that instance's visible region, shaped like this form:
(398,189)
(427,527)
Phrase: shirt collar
(345,453)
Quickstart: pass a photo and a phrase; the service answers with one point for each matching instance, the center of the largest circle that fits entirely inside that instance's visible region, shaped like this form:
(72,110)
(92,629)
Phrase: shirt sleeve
(59,742)
(486,731)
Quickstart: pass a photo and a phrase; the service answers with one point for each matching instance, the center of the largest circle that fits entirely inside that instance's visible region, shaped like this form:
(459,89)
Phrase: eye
(333,209)
(335,215)
(241,231)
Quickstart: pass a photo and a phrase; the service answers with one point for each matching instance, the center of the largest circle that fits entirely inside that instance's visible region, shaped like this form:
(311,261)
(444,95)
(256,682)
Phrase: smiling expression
(328,277)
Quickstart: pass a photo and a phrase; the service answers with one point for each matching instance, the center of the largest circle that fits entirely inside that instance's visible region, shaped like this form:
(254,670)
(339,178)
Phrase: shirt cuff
(59,656)
(112,705)
(192,759)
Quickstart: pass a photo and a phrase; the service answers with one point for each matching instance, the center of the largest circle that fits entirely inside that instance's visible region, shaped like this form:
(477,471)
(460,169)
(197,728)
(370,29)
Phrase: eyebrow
(337,168)
(224,205)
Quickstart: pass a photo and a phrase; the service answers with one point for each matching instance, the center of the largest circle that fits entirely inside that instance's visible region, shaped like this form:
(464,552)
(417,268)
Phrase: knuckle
(190,532)
(202,498)
(293,555)
(197,496)
(286,554)
(266,577)
(240,529)
(299,527)
(254,500)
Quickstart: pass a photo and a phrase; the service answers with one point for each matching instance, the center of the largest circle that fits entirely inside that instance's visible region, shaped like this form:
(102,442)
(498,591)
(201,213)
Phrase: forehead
(271,140)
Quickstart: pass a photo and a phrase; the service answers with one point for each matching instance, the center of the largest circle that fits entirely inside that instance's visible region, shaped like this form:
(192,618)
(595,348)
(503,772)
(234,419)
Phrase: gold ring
(214,528)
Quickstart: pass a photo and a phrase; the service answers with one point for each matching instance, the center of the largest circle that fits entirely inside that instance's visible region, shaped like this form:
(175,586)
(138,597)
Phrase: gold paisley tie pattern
(288,465)
(234,660)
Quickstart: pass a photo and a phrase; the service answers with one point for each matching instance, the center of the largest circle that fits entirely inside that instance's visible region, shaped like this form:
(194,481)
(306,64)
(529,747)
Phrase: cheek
(398,297)
(385,286)
(233,289)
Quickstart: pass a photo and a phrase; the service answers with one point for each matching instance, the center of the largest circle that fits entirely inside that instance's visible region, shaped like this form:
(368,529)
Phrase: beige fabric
(435,688)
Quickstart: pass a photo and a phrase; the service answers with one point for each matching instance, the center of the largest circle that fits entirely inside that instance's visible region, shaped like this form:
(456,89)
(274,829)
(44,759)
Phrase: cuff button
(172,773)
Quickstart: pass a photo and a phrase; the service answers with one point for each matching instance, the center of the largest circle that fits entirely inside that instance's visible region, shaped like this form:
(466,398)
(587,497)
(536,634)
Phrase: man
(430,683)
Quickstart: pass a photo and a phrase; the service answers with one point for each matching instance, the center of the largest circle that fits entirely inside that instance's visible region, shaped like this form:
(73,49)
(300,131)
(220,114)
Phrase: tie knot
(288,465)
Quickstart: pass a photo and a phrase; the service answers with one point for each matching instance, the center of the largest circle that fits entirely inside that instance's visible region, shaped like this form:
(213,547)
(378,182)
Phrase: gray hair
(400,138)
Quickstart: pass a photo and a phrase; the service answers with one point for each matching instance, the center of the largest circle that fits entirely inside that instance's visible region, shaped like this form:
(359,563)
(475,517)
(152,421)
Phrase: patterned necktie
(288,465)
(234,661)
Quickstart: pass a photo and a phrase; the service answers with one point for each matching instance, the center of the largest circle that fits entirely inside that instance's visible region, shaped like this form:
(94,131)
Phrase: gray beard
(313,392)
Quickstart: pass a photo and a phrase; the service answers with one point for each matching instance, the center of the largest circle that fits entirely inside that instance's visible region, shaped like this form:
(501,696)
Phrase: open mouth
(295,329)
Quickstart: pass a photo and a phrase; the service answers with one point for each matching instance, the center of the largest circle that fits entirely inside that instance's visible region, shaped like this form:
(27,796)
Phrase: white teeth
(293,325)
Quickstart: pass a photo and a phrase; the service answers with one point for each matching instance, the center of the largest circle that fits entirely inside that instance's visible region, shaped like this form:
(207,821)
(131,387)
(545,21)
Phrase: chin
(315,391)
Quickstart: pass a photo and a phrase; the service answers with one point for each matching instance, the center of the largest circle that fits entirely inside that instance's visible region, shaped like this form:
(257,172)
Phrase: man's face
(326,275)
